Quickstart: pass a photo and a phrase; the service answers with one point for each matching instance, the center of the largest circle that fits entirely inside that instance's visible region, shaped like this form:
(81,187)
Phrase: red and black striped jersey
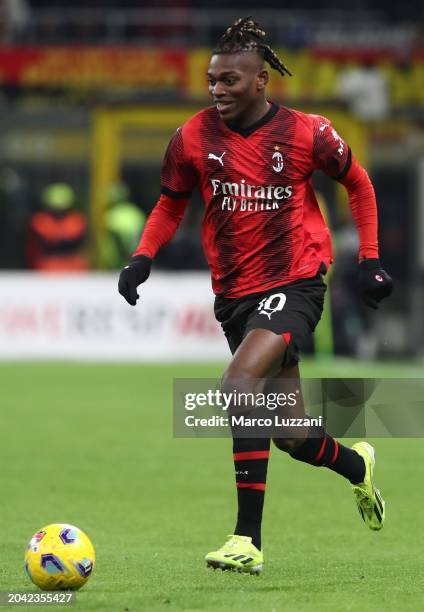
(262,225)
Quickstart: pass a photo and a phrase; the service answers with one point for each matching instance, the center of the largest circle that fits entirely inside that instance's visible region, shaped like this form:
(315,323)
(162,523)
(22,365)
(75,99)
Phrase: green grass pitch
(92,445)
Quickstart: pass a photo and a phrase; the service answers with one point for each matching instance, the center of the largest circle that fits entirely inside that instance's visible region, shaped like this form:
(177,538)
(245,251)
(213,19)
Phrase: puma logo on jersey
(218,158)
(323,126)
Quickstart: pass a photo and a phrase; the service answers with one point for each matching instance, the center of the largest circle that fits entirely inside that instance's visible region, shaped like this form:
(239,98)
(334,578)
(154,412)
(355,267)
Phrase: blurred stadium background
(90,93)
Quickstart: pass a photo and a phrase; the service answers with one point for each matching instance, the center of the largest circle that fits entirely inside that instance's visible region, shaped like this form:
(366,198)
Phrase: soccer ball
(59,557)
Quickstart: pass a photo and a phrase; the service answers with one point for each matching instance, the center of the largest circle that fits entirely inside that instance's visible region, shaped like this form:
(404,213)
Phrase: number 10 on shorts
(271,304)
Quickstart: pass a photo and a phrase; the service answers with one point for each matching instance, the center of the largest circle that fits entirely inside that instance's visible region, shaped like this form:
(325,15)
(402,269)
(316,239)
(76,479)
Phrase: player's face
(237,84)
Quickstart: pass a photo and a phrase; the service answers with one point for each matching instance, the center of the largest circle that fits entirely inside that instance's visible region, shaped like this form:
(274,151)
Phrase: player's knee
(238,380)
(287,445)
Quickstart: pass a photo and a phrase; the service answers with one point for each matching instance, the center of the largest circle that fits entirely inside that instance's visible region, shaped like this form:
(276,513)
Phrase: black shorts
(292,310)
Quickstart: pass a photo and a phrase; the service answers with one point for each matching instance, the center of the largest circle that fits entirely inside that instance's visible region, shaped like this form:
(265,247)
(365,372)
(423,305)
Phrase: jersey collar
(245,132)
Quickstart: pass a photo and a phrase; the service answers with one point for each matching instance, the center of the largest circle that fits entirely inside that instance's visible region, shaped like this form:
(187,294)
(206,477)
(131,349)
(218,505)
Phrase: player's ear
(262,79)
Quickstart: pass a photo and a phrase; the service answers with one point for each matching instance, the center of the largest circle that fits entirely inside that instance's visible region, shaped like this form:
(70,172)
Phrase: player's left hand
(374,282)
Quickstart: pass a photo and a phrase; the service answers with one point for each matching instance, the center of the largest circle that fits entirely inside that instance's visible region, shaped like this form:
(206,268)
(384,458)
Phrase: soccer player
(267,246)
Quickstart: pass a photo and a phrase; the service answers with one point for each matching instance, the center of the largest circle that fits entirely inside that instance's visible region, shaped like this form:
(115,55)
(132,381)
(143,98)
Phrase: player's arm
(178,177)
(161,226)
(374,282)
(335,158)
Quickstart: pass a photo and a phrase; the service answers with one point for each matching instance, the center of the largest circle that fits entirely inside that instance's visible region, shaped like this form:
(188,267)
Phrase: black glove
(137,271)
(375,284)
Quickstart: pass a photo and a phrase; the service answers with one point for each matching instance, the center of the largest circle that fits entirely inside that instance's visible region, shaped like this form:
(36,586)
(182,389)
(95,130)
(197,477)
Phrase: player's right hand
(137,271)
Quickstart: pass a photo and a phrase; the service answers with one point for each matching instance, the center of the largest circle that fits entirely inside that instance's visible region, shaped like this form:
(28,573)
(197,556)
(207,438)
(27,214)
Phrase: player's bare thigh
(259,356)
(257,360)
(256,367)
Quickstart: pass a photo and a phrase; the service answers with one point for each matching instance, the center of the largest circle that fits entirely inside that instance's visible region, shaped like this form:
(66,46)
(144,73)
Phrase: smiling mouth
(222,107)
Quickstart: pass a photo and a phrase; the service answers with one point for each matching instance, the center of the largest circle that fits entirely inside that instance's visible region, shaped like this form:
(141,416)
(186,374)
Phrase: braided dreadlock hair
(246,35)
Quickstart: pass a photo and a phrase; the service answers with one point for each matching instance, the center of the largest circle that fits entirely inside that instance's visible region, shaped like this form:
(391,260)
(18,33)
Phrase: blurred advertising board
(182,71)
(82,317)
(94,67)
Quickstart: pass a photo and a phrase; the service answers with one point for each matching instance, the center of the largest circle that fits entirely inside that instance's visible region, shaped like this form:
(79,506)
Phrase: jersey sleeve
(161,225)
(178,175)
(363,205)
(330,153)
